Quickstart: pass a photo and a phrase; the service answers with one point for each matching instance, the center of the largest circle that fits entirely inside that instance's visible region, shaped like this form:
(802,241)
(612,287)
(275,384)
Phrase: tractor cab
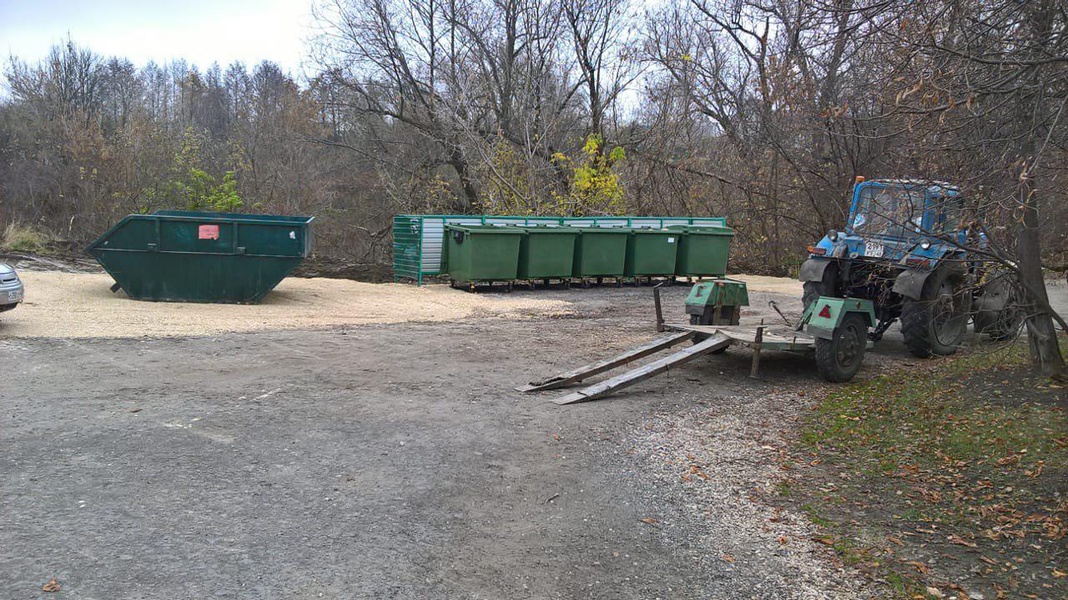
(895,220)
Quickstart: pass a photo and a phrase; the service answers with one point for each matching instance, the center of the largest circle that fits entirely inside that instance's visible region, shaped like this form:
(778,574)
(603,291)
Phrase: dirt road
(395,461)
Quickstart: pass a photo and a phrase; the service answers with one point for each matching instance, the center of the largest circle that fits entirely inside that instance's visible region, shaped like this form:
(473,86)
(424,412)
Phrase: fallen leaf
(933,591)
(135,409)
(782,540)
(956,539)
(919,566)
(1057,573)
(824,540)
(649,521)
(51,586)
(728,558)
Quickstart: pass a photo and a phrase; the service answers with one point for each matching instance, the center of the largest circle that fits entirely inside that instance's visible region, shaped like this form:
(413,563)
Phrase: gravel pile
(79,305)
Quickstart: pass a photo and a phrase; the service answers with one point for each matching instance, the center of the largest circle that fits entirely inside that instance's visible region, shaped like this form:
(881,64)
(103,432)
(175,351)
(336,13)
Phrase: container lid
(587,229)
(543,229)
(506,229)
(705,229)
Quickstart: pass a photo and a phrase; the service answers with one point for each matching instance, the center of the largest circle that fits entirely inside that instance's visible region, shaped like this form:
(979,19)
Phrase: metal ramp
(719,337)
(578,374)
(598,390)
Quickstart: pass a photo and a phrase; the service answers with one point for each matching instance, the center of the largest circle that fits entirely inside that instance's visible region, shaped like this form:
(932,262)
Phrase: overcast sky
(200,31)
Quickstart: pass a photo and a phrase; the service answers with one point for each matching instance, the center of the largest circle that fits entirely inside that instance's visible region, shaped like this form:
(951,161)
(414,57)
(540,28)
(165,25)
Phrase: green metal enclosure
(651,252)
(419,240)
(482,252)
(185,256)
(702,250)
(600,252)
(546,252)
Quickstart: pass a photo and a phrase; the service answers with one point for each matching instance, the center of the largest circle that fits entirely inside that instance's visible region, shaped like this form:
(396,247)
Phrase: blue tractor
(906,248)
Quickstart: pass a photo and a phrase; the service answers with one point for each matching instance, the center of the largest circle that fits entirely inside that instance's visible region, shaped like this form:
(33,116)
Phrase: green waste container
(482,252)
(651,252)
(702,250)
(185,256)
(600,252)
(546,252)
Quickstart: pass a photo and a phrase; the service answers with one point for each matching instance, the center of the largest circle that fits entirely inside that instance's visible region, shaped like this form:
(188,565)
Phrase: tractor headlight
(832,235)
(925,244)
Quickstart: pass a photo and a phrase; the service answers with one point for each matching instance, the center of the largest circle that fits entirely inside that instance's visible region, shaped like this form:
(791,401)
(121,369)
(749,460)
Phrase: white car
(10,288)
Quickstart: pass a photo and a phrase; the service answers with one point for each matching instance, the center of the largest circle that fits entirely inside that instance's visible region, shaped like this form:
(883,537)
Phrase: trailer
(834,330)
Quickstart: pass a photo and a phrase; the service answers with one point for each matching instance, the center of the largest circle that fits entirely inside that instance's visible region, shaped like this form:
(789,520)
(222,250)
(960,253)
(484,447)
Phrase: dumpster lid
(221,216)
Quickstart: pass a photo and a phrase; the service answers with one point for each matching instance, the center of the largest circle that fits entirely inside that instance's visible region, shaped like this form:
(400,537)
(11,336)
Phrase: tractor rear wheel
(813,291)
(825,287)
(935,324)
(999,313)
(839,358)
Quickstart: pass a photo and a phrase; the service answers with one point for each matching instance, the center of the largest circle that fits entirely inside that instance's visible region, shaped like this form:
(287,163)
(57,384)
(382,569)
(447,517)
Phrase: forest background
(762,111)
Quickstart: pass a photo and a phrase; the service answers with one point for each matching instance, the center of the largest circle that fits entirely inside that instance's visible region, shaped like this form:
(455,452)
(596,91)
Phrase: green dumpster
(546,252)
(651,252)
(482,252)
(702,250)
(600,252)
(185,256)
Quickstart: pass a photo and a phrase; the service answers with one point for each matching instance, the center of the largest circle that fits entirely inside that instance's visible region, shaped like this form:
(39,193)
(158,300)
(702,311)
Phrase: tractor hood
(910,252)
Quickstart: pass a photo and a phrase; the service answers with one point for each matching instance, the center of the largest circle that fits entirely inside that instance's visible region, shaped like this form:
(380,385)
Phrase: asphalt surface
(379,461)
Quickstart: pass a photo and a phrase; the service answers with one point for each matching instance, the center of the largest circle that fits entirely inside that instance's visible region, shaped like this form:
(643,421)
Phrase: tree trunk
(1041,335)
(459,163)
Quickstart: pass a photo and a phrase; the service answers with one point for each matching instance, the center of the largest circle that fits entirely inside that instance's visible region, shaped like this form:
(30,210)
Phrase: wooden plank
(644,372)
(781,339)
(580,373)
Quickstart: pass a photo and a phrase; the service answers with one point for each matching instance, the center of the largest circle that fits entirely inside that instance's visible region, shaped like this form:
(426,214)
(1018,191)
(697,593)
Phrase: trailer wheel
(936,323)
(839,358)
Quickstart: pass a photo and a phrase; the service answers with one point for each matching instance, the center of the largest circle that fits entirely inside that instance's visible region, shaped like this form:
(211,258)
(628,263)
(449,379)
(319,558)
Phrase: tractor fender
(813,269)
(910,283)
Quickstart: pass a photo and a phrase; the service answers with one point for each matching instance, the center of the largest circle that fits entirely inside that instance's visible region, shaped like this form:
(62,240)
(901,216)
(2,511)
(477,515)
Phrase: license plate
(15,296)
(873,250)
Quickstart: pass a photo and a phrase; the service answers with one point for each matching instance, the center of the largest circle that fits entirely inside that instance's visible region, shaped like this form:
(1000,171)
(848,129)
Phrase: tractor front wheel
(839,358)
(935,324)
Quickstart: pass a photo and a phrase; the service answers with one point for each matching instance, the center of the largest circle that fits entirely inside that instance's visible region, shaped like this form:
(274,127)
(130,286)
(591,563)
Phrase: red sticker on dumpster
(209,232)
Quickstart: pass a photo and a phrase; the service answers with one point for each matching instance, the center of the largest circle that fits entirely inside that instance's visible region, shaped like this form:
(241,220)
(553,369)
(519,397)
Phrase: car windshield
(892,211)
